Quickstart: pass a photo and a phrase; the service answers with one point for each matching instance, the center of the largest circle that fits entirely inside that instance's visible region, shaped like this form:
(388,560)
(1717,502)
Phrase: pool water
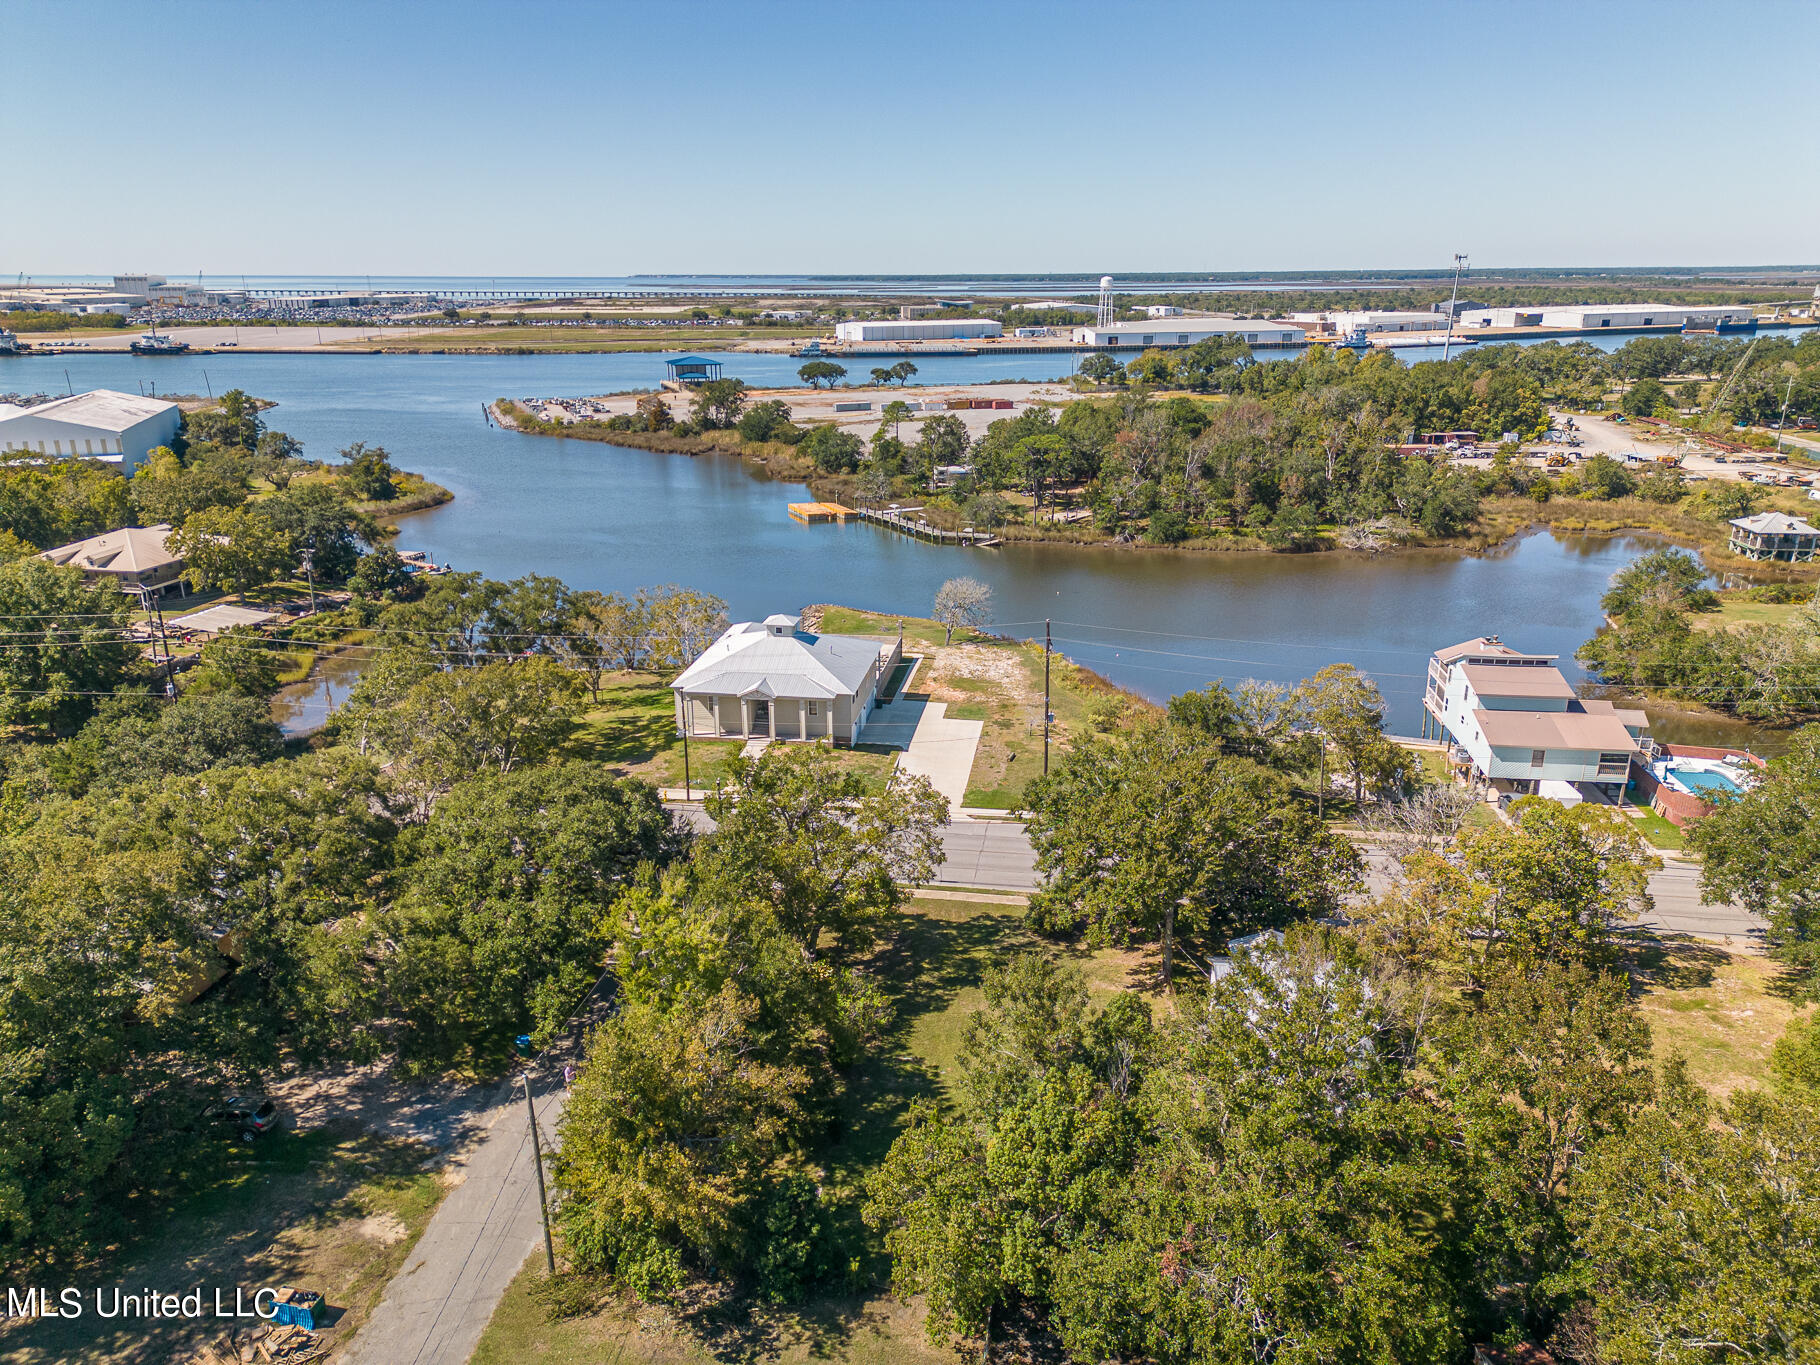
(1706,783)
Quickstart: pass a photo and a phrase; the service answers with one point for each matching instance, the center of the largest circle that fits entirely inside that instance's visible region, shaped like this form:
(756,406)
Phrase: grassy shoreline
(1501,519)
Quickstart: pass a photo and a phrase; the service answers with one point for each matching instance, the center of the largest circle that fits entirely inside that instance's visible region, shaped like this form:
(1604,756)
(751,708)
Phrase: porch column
(830,720)
(802,719)
(745,719)
(771,718)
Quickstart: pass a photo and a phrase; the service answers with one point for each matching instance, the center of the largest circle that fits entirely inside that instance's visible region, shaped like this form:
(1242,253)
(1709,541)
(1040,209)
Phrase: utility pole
(1782,422)
(309,572)
(1453,306)
(1046,711)
(543,1203)
(154,612)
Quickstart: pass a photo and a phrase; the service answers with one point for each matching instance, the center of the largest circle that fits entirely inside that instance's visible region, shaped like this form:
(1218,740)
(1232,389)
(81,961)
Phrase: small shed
(690,370)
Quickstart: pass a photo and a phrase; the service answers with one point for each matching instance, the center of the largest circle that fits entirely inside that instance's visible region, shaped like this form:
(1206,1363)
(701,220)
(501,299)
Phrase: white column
(802,719)
(745,719)
(771,718)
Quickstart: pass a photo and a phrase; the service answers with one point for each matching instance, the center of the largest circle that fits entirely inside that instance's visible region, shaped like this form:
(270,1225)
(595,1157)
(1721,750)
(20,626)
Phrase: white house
(103,424)
(1517,723)
(769,679)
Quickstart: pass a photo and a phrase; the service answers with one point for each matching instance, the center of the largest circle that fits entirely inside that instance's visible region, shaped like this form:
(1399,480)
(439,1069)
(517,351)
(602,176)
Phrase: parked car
(249,1117)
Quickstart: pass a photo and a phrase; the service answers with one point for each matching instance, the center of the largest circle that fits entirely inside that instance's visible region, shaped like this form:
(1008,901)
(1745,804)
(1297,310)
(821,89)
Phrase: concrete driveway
(894,724)
(942,750)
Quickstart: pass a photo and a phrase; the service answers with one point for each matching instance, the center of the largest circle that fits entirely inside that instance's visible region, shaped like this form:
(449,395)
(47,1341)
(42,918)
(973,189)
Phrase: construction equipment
(1718,399)
(1557,461)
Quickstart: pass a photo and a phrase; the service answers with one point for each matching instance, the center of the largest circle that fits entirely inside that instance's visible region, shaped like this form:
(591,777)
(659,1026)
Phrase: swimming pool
(1706,782)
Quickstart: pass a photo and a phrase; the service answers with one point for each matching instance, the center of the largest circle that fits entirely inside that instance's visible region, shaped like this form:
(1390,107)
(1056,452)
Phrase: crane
(1724,389)
(1453,305)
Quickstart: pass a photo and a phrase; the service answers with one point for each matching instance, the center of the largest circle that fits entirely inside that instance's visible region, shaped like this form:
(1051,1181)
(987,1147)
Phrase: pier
(898,521)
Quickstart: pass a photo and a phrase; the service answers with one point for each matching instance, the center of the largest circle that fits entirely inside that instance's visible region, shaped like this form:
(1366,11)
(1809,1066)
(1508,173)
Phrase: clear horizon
(1060,138)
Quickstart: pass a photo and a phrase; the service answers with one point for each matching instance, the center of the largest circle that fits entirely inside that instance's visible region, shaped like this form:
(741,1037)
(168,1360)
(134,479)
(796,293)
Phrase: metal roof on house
(133,549)
(103,409)
(1585,730)
(1774,524)
(1486,645)
(748,660)
(216,619)
(1498,680)
(1630,716)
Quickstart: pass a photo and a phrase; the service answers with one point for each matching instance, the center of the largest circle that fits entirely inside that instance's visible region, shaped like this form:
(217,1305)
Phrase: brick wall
(1680,808)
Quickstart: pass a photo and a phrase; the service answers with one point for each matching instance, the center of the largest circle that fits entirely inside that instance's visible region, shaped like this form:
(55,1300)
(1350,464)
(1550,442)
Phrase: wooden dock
(809,513)
(898,521)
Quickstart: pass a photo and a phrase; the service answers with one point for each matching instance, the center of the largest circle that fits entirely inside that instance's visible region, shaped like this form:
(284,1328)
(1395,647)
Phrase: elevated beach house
(1774,535)
(1515,725)
(772,680)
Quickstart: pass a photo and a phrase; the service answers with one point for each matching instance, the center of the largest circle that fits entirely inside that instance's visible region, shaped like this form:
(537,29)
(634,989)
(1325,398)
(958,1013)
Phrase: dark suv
(249,1117)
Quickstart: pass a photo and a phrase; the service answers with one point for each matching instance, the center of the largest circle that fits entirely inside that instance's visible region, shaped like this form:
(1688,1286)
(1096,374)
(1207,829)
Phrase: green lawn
(933,969)
(1734,612)
(1720,1010)
(632,729)
(1000,683)
(1659,830)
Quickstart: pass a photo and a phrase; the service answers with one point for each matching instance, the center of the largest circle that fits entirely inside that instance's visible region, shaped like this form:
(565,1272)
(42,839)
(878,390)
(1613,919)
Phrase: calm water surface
(606,517)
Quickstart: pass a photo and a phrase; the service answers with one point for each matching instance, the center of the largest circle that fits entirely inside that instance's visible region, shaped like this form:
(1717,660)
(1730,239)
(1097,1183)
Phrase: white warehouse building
(1346,323)
(103,424)
(1591,317)
(1188,331)
(918,329)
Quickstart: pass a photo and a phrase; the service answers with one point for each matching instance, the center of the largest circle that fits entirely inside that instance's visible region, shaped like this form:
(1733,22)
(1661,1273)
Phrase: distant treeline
(26,320)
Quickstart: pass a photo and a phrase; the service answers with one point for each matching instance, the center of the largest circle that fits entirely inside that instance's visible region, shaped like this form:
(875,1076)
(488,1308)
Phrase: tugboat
(10,344)
(150,343)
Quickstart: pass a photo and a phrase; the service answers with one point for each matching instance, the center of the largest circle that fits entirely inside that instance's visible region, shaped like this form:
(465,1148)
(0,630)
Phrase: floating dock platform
(809,513)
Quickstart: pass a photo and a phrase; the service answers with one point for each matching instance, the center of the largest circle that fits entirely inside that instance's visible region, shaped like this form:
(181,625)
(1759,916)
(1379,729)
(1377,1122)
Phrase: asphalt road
(995,855)
(437,1306)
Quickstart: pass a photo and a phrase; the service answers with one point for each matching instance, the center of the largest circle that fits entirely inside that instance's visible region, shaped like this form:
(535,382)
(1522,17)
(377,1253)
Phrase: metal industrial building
(1346,323)
(931,329)
(1187,331)
(104,424)
(1592,317)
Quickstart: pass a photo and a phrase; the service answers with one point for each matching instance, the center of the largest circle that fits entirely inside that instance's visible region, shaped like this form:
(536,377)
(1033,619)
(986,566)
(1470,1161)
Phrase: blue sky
(717,137)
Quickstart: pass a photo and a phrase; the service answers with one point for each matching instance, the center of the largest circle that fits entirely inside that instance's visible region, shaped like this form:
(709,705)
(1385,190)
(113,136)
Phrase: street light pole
(543,1203)
(1046,711)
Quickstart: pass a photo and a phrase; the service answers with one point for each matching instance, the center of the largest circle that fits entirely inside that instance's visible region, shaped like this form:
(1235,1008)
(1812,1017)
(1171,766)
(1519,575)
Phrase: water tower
(1104,319)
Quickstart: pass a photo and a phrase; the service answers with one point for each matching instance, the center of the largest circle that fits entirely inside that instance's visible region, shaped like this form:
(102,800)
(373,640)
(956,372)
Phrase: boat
(10,344)
(150,343)
(1398,340)
(419,562)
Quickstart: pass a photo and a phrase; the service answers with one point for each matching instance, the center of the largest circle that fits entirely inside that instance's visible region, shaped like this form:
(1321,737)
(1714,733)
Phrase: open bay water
(613,518)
